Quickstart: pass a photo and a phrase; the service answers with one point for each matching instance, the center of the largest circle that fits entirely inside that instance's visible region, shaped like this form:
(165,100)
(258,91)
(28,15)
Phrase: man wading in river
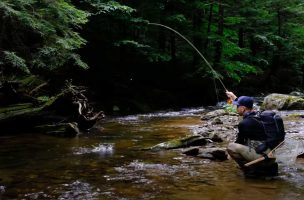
(253,141)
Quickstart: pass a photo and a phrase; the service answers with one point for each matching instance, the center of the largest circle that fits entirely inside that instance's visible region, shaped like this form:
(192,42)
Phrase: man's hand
(231,95)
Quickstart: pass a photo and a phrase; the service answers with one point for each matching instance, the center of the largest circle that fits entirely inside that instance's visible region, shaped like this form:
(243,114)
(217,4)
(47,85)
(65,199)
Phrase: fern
(236,69)
(110,7)
(78,62)
(55,21)
(177,19)
(15,61)
(131,43)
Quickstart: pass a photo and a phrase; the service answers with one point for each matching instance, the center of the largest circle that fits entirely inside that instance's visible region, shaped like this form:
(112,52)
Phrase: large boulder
(282,102)
(213,114)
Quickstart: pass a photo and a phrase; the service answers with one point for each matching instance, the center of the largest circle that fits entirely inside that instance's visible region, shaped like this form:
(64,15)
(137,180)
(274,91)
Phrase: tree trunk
(161,38)
(209,25)
(173,47)
(197,41)
(241,37)
(279,22)
(2,34)
(220,31)
(253,46)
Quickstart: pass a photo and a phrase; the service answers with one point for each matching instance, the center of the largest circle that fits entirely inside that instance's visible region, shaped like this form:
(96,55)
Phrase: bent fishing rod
(192,45)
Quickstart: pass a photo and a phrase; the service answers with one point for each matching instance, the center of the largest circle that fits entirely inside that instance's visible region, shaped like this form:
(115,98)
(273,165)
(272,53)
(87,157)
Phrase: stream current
(109,163)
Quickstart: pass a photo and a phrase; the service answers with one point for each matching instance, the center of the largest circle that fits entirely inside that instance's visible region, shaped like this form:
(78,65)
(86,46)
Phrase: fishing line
(215,74)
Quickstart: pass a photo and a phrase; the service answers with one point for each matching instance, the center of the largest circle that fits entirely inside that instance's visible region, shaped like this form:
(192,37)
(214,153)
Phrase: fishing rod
(192,45)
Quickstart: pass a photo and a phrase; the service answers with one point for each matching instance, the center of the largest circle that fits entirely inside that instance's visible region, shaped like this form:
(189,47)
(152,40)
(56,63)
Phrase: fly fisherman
(252,140)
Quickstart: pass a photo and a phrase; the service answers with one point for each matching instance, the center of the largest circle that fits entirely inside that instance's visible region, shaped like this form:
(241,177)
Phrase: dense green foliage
(239,37)
(39,35)
(255,46)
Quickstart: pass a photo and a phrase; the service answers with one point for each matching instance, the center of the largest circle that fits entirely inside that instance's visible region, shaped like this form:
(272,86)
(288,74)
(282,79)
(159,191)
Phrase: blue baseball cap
(244,101)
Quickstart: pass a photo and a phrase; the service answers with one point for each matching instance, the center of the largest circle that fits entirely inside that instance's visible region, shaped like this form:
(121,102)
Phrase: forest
(129,65)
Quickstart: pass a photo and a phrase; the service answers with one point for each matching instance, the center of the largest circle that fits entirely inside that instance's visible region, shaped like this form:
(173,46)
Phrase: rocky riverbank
(219,127)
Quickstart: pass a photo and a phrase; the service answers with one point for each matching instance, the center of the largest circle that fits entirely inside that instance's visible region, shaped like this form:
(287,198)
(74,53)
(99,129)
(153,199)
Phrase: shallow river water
(110,163)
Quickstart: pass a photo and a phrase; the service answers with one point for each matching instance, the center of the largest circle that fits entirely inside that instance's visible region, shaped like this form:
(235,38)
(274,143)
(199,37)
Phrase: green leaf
(53,24)
(234,20)
(201,5)
(263,40)
(78,61)
(131,43)
(111,7)
(177,19)
(158,57)
(236,69)
(16,61)
(231,49)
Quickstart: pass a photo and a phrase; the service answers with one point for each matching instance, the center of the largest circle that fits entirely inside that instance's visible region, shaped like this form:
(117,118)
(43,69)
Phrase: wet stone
(213,154)
(38,195)
(216,138)
(216,120)
(191,151)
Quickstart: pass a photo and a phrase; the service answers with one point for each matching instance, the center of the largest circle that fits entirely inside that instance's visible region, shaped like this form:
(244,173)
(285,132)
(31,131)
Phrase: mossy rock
(17,110)
(181,143)
(25,109)
(25,116)
(282,102)
(15,107)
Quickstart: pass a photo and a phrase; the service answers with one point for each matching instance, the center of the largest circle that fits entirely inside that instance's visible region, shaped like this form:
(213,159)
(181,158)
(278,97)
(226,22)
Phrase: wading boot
(261,171)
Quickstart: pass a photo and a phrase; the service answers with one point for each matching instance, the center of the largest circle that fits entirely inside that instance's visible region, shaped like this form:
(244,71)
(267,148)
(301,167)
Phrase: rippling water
(109,163)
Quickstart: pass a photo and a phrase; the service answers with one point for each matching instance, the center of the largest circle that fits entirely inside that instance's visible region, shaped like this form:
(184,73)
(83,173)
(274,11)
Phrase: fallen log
(60,129)
(60,110)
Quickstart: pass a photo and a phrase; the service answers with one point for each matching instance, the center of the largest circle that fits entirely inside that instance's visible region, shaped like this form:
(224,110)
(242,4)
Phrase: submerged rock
(208,153)
(192,151)
(213,154)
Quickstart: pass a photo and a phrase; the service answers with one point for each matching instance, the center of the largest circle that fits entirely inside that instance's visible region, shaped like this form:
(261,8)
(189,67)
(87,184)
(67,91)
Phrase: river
(110,163)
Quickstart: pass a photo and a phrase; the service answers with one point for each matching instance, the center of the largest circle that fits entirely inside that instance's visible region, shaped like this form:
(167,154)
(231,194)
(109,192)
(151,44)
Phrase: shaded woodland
(130,66)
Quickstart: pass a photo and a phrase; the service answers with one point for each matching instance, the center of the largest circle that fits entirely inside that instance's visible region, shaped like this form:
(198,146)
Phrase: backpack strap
(258,119)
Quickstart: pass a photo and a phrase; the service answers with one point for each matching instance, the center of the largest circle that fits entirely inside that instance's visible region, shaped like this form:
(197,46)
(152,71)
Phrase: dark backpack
(273,127)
